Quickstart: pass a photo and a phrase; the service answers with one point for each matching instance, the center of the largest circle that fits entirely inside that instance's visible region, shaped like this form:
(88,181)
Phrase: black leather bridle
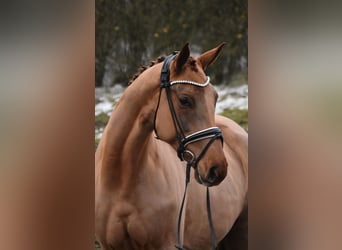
(183,141)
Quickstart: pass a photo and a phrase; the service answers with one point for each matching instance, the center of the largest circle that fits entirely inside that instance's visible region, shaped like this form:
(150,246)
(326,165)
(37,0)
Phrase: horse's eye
(185,101)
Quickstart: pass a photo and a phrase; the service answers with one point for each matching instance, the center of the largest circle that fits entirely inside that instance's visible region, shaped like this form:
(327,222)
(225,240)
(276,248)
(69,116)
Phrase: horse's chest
(133,225)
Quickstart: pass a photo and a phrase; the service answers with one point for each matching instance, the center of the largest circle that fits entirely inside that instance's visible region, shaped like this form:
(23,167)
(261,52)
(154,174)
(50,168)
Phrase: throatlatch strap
(165,83)
(155,115)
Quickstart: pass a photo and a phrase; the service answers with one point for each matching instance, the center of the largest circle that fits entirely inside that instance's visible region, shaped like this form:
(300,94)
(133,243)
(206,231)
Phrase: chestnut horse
(139,177)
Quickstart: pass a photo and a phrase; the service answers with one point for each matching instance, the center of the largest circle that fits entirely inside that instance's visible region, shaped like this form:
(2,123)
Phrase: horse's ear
(182,57)
(209,57)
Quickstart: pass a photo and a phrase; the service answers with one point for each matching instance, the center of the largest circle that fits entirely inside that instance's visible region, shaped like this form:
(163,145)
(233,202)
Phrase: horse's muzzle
(213,176)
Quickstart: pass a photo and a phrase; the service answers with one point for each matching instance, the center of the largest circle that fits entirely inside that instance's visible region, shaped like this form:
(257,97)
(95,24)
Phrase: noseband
(211,133)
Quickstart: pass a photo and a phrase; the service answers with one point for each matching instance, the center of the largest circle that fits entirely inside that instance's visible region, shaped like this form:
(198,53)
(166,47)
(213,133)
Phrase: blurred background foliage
(130,33)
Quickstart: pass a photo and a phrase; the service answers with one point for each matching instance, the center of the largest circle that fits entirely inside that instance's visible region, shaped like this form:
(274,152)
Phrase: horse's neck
(129,130)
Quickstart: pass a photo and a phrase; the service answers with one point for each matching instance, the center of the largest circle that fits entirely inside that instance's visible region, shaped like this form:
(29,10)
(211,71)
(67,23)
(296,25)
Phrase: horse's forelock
(192,63)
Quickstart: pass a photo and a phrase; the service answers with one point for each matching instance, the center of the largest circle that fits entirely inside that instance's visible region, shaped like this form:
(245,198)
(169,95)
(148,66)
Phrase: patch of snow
(98,134)
(232,98)
(104,106)
(106,96)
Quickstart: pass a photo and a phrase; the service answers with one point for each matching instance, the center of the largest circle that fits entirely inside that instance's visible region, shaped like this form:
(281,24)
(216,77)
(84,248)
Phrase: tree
(130,33)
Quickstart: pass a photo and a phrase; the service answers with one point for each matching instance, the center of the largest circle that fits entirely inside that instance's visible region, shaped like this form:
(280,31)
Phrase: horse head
(185,117)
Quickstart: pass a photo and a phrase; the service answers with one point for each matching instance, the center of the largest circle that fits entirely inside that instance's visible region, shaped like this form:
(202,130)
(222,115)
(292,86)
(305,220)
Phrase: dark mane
(144,67)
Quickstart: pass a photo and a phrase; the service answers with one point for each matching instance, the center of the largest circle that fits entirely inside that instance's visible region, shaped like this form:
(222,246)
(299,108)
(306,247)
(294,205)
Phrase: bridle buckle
(188,156)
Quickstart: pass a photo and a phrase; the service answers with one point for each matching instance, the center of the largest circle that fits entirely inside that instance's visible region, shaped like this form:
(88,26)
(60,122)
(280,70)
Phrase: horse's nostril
(212,174)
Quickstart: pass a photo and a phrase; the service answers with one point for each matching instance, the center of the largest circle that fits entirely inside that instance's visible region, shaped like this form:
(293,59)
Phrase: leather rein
(183,153)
